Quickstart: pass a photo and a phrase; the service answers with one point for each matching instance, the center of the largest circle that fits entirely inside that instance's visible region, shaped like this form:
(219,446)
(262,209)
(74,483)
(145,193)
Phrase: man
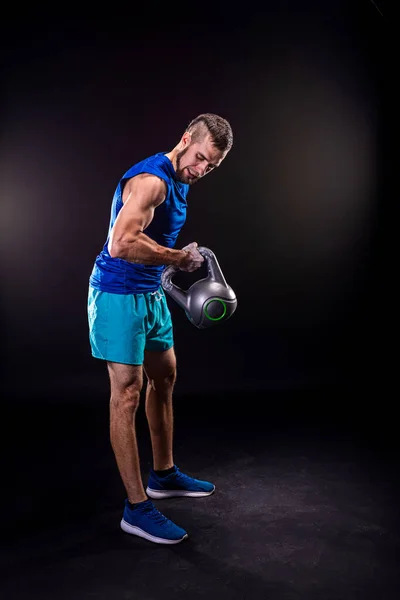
(129,321)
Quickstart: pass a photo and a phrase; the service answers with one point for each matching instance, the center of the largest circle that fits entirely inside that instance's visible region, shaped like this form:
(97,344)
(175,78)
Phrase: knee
(126,398)
(164,381)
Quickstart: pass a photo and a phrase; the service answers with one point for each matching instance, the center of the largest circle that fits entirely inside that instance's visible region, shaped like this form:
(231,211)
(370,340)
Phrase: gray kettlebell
(208,301)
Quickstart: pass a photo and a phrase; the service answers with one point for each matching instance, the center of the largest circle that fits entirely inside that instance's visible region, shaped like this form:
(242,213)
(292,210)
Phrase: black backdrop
(293,214)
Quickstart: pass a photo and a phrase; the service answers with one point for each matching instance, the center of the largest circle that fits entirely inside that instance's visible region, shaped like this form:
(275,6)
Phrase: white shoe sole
(147,536)
(159,494)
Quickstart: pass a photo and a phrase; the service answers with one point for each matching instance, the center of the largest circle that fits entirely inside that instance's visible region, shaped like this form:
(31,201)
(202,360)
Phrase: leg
(160,369)
(126,384)
(118,326)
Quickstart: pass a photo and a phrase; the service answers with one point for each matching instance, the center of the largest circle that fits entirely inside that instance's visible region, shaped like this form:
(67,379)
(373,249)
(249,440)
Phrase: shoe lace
(181,476)
(154,514)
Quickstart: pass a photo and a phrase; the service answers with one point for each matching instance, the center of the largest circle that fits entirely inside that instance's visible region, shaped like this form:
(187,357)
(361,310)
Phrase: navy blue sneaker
(177,484)
(147,522)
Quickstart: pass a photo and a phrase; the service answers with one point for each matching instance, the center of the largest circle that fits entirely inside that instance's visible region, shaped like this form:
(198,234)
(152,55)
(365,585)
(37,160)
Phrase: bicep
(141,195)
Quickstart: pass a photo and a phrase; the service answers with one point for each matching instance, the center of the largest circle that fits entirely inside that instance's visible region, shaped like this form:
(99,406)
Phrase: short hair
(218,127)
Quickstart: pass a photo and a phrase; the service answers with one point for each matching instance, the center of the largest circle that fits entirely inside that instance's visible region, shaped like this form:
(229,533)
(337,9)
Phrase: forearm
(143,250)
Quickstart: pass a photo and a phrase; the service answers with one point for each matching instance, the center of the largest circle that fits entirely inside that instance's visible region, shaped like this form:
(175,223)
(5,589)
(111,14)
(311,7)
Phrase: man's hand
(192,260)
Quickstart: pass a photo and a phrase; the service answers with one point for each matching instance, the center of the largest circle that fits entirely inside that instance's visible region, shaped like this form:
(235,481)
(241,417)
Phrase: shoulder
(146,185)
(152,174)
(149,181)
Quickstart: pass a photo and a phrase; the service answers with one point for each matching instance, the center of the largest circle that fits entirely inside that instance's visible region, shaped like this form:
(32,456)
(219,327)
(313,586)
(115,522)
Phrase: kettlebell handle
(213,269)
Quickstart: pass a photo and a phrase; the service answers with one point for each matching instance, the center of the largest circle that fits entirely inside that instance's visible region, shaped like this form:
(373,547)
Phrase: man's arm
(142,195)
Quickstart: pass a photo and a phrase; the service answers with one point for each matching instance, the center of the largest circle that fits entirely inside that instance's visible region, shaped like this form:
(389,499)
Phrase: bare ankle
(135,499)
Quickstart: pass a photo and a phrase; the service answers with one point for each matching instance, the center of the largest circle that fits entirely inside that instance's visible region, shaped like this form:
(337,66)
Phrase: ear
(186,139)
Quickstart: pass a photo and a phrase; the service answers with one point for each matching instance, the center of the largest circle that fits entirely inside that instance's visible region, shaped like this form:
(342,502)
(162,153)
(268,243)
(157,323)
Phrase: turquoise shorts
(123,326)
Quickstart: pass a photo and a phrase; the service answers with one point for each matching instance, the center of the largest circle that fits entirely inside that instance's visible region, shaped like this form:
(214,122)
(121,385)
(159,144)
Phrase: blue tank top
(119,276)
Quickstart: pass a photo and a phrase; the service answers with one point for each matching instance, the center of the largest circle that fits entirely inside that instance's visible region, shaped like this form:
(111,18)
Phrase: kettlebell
(208,301)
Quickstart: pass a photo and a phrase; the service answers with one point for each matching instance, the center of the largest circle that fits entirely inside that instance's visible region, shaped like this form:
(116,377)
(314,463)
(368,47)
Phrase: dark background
(301,379)
(294,215)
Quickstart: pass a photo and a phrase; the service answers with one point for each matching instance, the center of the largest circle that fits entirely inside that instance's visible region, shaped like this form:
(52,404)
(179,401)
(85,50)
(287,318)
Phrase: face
(196,159)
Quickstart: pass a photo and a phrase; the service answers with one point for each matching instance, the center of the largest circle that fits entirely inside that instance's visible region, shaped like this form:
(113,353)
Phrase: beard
(180,174)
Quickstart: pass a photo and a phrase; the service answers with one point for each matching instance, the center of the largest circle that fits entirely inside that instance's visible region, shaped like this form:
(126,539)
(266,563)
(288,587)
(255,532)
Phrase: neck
(172,157)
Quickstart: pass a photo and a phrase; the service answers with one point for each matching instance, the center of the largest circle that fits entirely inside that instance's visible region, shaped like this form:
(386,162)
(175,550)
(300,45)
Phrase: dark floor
(306,503)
